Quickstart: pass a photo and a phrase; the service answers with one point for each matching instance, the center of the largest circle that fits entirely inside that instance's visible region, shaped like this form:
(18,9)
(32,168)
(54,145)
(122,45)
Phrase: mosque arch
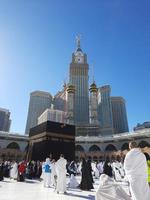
(143,144)
(110,147)
(13,145)
(94,148)
(79,148)
(125,146)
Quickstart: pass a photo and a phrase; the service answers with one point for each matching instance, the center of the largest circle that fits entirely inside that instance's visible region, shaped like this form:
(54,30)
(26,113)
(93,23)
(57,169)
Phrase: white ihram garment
(96,173)
(73,182)
(53,175)
(47,179)
(136,172)
(108,190)
(79,168)
(118,171)
(100,167)
(47,175)
(95,170)
(61,175)
(14,171)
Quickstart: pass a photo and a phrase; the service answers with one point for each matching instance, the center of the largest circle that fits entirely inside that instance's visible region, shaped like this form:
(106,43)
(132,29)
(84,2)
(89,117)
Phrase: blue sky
(37,38)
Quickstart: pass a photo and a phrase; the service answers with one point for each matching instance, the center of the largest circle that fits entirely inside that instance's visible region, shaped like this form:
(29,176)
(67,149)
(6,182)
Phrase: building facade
(79,78)
(39,102)
(119,113)
(142,126)
(105,110)
(13,146)
(59,100)
(97,148)
(5,121)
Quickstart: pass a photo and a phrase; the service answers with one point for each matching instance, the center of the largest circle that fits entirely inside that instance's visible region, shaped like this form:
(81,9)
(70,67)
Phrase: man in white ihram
(136,172)
(47,173)
(14,170)
(61,174)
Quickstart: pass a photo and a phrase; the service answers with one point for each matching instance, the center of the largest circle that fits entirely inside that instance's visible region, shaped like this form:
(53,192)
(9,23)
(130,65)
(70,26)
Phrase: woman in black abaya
(86,180)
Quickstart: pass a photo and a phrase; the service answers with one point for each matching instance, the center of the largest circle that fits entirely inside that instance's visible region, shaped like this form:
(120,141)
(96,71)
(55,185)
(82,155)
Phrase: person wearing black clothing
(6,169)
(86,179)
(90,169)
(29,170)
(107,169)
(38,169)
(1,171)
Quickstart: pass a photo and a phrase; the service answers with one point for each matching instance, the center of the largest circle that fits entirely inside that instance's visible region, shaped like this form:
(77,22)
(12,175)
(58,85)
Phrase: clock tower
(78,76)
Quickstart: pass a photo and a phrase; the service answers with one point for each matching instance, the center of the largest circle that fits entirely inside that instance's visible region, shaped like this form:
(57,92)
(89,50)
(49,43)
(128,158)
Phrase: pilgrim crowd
(133,171)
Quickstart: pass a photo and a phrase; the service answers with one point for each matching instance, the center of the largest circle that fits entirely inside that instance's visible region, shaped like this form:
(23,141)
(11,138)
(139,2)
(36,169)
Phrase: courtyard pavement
(34,190)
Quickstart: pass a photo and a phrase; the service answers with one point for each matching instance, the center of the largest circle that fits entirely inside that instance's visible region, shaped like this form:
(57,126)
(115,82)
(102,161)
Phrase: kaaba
(51,138)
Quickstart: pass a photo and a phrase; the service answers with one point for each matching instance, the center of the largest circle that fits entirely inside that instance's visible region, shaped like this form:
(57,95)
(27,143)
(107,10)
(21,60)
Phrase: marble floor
(34,190)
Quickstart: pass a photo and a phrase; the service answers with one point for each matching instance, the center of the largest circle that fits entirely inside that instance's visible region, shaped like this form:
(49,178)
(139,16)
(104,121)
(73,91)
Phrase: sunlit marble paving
(34,190)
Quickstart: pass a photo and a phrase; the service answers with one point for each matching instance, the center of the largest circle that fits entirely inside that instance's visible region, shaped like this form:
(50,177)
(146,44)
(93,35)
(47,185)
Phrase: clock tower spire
(78,56)
(79,79)
(78,38)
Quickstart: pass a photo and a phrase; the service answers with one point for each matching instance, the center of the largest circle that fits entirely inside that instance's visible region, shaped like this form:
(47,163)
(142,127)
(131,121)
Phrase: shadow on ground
(90,197)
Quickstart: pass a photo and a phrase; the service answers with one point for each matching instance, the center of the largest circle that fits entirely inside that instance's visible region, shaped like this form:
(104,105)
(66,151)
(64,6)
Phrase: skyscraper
(59,99)
(120,121)
(79,78)
(39,102)
(4,120)
(105,110)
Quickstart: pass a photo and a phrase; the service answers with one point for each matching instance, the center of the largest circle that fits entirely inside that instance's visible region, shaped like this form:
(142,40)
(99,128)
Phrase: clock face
(79,59)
